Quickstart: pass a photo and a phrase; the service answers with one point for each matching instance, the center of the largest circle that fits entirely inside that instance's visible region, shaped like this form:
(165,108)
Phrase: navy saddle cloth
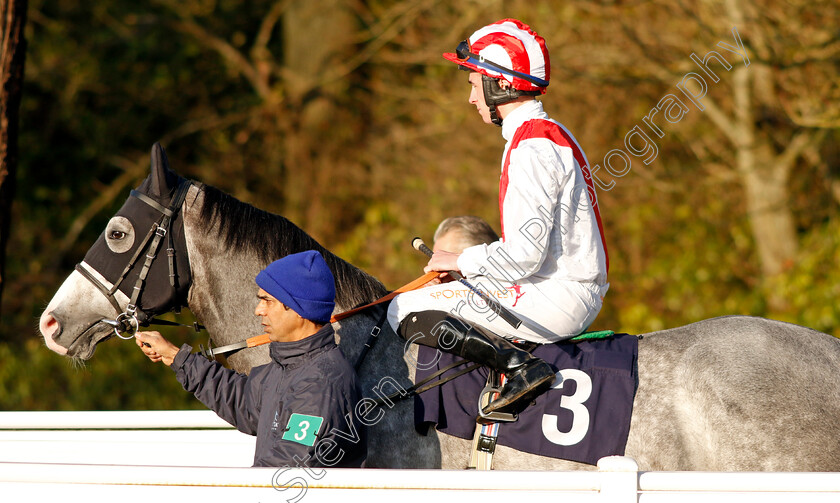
(583,417)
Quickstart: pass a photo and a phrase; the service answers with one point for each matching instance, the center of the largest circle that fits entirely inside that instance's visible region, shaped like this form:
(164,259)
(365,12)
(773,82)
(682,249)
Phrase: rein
(127,321)
(259,340)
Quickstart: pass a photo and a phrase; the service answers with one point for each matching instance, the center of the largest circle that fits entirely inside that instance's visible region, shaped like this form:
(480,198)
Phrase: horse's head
(137,268)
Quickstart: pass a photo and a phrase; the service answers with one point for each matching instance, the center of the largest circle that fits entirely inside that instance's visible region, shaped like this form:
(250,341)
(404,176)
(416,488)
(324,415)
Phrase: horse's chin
(84,347)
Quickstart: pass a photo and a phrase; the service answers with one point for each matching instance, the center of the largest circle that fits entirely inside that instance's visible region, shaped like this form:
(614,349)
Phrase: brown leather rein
(259,340)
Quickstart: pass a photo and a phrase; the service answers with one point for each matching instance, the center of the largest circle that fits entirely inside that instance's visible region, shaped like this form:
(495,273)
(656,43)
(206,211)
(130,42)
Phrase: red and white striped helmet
(507,49)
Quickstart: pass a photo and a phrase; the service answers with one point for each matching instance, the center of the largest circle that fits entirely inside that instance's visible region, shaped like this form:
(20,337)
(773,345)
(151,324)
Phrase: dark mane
(269,236)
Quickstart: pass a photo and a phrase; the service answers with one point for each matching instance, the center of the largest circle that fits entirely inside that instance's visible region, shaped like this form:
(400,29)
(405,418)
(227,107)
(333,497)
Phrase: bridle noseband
(127,321)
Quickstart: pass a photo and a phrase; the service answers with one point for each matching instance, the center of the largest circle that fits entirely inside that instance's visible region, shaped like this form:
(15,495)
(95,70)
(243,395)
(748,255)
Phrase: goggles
(464,53)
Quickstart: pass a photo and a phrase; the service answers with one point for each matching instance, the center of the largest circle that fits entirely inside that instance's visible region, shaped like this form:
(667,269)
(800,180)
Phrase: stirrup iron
(493,391)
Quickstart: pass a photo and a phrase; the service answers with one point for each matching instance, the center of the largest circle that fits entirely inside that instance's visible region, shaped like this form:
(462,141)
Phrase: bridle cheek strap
(160,230)
(127,319)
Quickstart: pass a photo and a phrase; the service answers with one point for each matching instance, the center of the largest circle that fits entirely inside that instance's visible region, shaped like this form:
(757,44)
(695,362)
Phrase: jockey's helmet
(508,49)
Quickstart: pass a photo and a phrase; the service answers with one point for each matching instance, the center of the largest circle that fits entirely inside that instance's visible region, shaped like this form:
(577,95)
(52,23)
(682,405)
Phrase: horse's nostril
(49,325)
(50,329)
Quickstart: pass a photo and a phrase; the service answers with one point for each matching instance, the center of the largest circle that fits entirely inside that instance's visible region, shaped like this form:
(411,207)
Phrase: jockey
(550,265)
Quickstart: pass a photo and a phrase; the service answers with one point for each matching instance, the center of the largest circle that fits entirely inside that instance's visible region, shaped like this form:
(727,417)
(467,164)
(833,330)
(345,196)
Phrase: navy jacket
(300,406)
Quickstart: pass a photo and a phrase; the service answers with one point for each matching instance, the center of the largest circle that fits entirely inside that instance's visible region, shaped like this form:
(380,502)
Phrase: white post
(619,479)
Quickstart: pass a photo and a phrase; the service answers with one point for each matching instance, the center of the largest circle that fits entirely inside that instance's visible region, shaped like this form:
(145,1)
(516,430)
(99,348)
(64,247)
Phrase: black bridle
(127,320)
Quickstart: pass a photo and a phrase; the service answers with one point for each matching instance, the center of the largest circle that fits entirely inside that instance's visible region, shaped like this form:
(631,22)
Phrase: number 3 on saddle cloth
(583,417)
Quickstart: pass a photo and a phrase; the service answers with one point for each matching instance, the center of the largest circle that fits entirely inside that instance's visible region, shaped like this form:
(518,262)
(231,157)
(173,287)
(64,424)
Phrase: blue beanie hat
(303,283)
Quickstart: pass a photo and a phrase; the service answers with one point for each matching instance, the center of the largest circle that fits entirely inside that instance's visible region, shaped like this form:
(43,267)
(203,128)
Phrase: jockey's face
(477,97)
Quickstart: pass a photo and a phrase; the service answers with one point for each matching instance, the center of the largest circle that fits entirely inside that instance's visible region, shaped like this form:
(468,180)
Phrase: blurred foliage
(119,377)
(812,286)
(353,126)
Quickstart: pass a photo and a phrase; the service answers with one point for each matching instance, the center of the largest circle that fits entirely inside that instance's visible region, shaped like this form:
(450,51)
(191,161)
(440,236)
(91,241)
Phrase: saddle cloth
(583,417)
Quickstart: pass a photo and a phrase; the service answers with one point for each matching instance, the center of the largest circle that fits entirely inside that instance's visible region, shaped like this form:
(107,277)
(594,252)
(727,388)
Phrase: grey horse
(734,393)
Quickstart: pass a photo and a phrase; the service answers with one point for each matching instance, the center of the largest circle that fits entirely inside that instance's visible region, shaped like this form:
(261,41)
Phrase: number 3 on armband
(573,403)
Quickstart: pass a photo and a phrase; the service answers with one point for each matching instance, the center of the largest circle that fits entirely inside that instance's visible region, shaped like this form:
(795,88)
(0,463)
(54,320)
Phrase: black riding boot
(526,376)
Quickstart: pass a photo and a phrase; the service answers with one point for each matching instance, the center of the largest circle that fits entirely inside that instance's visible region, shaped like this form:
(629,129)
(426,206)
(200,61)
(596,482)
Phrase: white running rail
(194,456)
(172,437)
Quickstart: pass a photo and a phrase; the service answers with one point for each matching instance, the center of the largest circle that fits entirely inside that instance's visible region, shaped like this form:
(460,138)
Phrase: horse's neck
(223,293)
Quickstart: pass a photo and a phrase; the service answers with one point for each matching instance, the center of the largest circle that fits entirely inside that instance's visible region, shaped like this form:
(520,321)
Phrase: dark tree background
(12,57)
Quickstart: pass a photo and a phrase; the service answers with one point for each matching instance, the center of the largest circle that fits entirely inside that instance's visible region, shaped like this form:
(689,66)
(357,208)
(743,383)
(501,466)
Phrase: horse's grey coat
(730,393)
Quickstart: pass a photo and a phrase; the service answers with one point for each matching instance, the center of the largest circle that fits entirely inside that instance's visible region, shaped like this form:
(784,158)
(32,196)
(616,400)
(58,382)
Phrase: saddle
(585,416)
(495,380)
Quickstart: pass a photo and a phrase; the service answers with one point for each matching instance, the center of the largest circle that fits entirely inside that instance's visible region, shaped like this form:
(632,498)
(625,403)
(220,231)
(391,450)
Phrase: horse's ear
(163,179)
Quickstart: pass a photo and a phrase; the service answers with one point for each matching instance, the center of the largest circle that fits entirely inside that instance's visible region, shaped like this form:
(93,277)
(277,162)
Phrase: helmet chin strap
(495,94)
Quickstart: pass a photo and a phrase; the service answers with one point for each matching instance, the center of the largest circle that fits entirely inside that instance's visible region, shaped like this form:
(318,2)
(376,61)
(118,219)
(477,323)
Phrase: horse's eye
(119,235)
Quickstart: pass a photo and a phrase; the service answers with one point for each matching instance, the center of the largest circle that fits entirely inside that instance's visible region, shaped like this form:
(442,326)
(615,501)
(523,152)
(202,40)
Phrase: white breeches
(549,310)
